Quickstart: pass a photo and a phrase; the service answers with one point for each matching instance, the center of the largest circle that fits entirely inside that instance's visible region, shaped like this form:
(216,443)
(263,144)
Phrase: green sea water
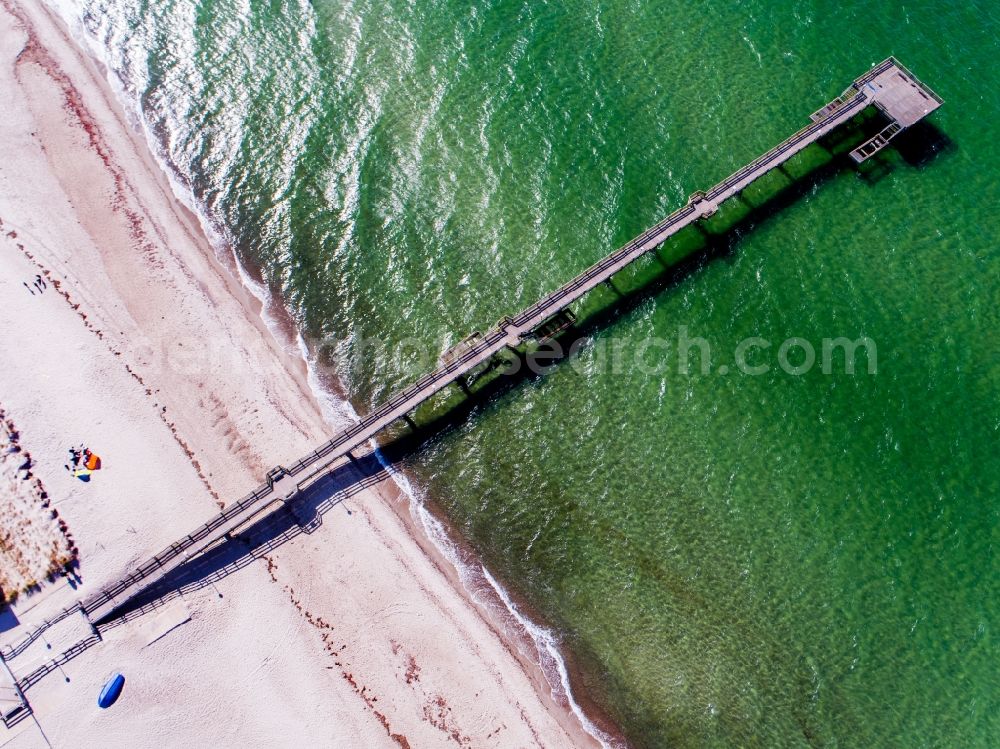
(731,560)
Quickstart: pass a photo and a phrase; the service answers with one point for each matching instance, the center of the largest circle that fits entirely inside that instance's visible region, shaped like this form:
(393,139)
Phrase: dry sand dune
(34,543)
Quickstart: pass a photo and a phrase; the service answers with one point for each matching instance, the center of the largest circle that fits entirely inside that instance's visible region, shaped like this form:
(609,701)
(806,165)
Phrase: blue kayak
(111,691)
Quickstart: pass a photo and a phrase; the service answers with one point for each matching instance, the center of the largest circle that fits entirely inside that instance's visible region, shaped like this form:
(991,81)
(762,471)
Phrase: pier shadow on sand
(304,515)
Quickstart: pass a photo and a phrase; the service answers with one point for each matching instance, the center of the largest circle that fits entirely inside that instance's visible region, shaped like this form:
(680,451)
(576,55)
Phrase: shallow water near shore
(734,560)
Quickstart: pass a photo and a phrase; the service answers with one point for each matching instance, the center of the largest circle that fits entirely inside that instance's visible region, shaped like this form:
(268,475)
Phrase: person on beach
(83,462)
(74,459)
(78,459)
(40,283)
(28,288)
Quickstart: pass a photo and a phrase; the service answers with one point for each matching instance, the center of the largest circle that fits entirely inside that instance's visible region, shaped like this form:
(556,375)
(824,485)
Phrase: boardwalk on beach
(888,86)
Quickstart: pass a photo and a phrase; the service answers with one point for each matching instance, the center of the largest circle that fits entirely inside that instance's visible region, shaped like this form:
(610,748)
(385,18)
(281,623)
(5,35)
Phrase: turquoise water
(732,560)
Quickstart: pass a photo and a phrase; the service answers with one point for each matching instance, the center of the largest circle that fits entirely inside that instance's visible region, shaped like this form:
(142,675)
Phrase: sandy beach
(144,346)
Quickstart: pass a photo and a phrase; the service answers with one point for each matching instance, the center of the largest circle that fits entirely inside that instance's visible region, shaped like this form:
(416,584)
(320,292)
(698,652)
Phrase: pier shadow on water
(673,263)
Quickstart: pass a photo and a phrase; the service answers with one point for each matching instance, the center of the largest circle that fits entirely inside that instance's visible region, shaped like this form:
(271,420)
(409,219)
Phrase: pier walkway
(888,86)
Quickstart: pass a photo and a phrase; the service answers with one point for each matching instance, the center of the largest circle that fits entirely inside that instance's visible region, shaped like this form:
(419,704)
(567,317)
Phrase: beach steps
(13,706)
(876,143)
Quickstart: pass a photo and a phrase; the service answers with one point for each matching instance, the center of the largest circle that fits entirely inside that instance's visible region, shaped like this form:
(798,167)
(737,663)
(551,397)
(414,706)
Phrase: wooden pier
(887,86)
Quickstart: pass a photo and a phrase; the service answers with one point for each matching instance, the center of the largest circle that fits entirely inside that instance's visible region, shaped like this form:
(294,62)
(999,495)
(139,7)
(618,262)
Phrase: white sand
(355,635)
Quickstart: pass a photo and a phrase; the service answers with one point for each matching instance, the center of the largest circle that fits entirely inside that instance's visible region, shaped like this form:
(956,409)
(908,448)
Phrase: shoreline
(530,626)
(453,555)
(514,621)
(255,309)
